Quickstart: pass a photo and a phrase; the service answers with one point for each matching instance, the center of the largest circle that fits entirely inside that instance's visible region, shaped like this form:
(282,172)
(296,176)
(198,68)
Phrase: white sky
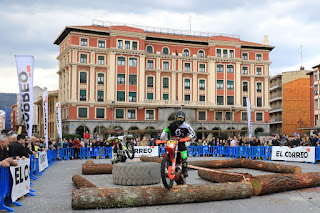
(30,27)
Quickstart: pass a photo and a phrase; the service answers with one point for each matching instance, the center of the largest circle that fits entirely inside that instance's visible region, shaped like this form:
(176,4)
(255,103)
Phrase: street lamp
(112,106)
(231,108)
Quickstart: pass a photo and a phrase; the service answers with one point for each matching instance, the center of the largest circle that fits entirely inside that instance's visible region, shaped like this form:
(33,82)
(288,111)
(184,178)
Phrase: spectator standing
(86,137)
(16,149)
(76,148)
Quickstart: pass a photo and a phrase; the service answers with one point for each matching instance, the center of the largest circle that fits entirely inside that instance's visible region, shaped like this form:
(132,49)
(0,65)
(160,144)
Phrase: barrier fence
(253,152)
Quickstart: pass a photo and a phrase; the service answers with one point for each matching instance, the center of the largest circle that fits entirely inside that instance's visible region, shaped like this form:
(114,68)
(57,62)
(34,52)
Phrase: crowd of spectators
(13,146)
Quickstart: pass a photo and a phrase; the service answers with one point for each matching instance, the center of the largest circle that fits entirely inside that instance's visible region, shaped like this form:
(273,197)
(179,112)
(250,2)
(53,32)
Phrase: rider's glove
(184,139)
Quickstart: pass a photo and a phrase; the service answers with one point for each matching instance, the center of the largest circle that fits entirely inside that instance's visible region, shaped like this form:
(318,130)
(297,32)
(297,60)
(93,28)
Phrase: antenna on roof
(301,67)
(190,24)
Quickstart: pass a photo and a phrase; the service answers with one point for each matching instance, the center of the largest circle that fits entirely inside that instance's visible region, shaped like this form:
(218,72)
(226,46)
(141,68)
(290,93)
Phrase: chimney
(265,40)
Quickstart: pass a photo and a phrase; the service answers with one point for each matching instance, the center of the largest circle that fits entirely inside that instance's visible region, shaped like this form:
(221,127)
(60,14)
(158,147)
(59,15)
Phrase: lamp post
(231,108)
(112,107)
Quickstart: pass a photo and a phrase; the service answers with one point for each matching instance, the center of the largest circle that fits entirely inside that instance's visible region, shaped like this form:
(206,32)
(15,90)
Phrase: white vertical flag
(249,117)
(58,119)
(25,80)
(45,115)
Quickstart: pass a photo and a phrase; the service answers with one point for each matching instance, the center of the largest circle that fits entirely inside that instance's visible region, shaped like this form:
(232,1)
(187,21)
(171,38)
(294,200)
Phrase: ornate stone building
(137,79)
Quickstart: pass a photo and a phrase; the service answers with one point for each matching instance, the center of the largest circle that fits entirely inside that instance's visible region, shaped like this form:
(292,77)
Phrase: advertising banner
(20,179)
(25,80)
(249,117)
(45,115)
(43,160)
(58,119)
(150,151)
(301,153)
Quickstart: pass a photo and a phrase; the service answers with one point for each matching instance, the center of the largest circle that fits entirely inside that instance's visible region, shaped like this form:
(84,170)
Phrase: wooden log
(93,169)
(235,163)
(123,197)
(271,167)
(222,176)
(150,159)
(89,162)
(81,182)
(267,184)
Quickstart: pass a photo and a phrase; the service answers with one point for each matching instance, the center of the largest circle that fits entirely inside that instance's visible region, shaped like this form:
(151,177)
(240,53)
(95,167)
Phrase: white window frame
(87,54)
(244,58)
(229,52)
(153,63)
(78,112)
(257,70)
(134,59)
(124,61)
(153,78)
(261,101)
(215,117)
(154,115)
(189,52)
(199,67)
(168,82)
(102,41)
(95,112)
(122,43)
(166,62)
(256,116)
(247,86)
(204,53)
(152,49)
(257,56)
(104,59)
(184,66)
(87,42)
(244,116)
(168,50)
(115,114)
(135,114)
(243,72)
(257,86)
(221,52)
(205,112)
(222,68)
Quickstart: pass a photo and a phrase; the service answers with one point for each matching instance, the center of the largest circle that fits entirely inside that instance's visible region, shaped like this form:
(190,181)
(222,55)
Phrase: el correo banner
(45,115)
(58,119)
(249,117)
(20,179)
(43,160)
(150,151)
(301,153)
(25,80)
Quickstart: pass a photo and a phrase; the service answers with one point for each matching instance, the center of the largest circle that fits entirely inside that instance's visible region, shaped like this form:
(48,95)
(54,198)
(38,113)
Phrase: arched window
(186,52)
(149,49)
(165,51)
(201,54)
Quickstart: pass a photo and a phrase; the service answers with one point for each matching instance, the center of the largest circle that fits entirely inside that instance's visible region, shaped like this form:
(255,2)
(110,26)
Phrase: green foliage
(68,136)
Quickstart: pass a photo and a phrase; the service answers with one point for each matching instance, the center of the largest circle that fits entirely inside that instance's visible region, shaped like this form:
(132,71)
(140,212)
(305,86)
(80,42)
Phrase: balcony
(275,98)
(276,86)
(276,110)
(177,103)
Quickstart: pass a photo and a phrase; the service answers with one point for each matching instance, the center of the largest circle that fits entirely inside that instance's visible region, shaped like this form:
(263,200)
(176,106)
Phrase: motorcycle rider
(114,139)
(179,129)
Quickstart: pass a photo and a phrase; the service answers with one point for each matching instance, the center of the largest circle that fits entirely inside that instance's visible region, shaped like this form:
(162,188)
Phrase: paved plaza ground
(53,193)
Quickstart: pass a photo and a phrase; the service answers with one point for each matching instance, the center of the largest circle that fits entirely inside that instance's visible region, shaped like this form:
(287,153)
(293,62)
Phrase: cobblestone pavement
(53,193)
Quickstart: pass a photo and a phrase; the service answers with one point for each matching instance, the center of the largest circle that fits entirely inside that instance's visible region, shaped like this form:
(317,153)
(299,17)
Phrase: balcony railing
(276,110)
(179,103)
(275,86)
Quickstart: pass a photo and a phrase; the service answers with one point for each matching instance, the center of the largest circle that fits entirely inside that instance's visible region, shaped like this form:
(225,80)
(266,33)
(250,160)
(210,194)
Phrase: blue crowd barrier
(317,154)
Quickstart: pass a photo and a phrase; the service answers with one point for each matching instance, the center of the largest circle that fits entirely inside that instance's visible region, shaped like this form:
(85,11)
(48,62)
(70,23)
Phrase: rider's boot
(185,168)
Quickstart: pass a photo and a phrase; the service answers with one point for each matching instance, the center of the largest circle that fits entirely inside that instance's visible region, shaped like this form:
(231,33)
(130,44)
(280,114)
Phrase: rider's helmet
(117,131)
(180,117)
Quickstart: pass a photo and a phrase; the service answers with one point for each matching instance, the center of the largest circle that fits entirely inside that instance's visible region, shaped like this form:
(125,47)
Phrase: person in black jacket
(16,149)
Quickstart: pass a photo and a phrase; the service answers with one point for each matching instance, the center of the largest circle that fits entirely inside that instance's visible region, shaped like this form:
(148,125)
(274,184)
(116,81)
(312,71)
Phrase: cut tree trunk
(236,163)
(92,169)
(266,184)
(89,162)
(271,167)
(222,176)
(92,198)
(81,182)
(150,159)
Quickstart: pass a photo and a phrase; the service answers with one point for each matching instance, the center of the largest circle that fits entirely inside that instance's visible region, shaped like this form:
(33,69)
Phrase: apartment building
(138,77)
(290,102)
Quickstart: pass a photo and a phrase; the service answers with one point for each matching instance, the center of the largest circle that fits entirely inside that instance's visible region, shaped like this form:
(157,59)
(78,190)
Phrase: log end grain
(256,185)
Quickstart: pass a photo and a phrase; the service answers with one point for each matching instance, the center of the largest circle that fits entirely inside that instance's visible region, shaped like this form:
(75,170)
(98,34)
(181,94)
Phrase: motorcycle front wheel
(165,163)
(130,150)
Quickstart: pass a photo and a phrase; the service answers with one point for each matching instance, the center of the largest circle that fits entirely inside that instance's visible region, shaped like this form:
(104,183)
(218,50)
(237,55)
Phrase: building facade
(2,120)
(135,79)
(14,117)
(290,102)
(52,124)
(315,97)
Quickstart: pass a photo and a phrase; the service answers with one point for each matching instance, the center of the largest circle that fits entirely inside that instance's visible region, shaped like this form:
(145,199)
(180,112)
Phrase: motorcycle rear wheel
(165,163)
(130,150)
